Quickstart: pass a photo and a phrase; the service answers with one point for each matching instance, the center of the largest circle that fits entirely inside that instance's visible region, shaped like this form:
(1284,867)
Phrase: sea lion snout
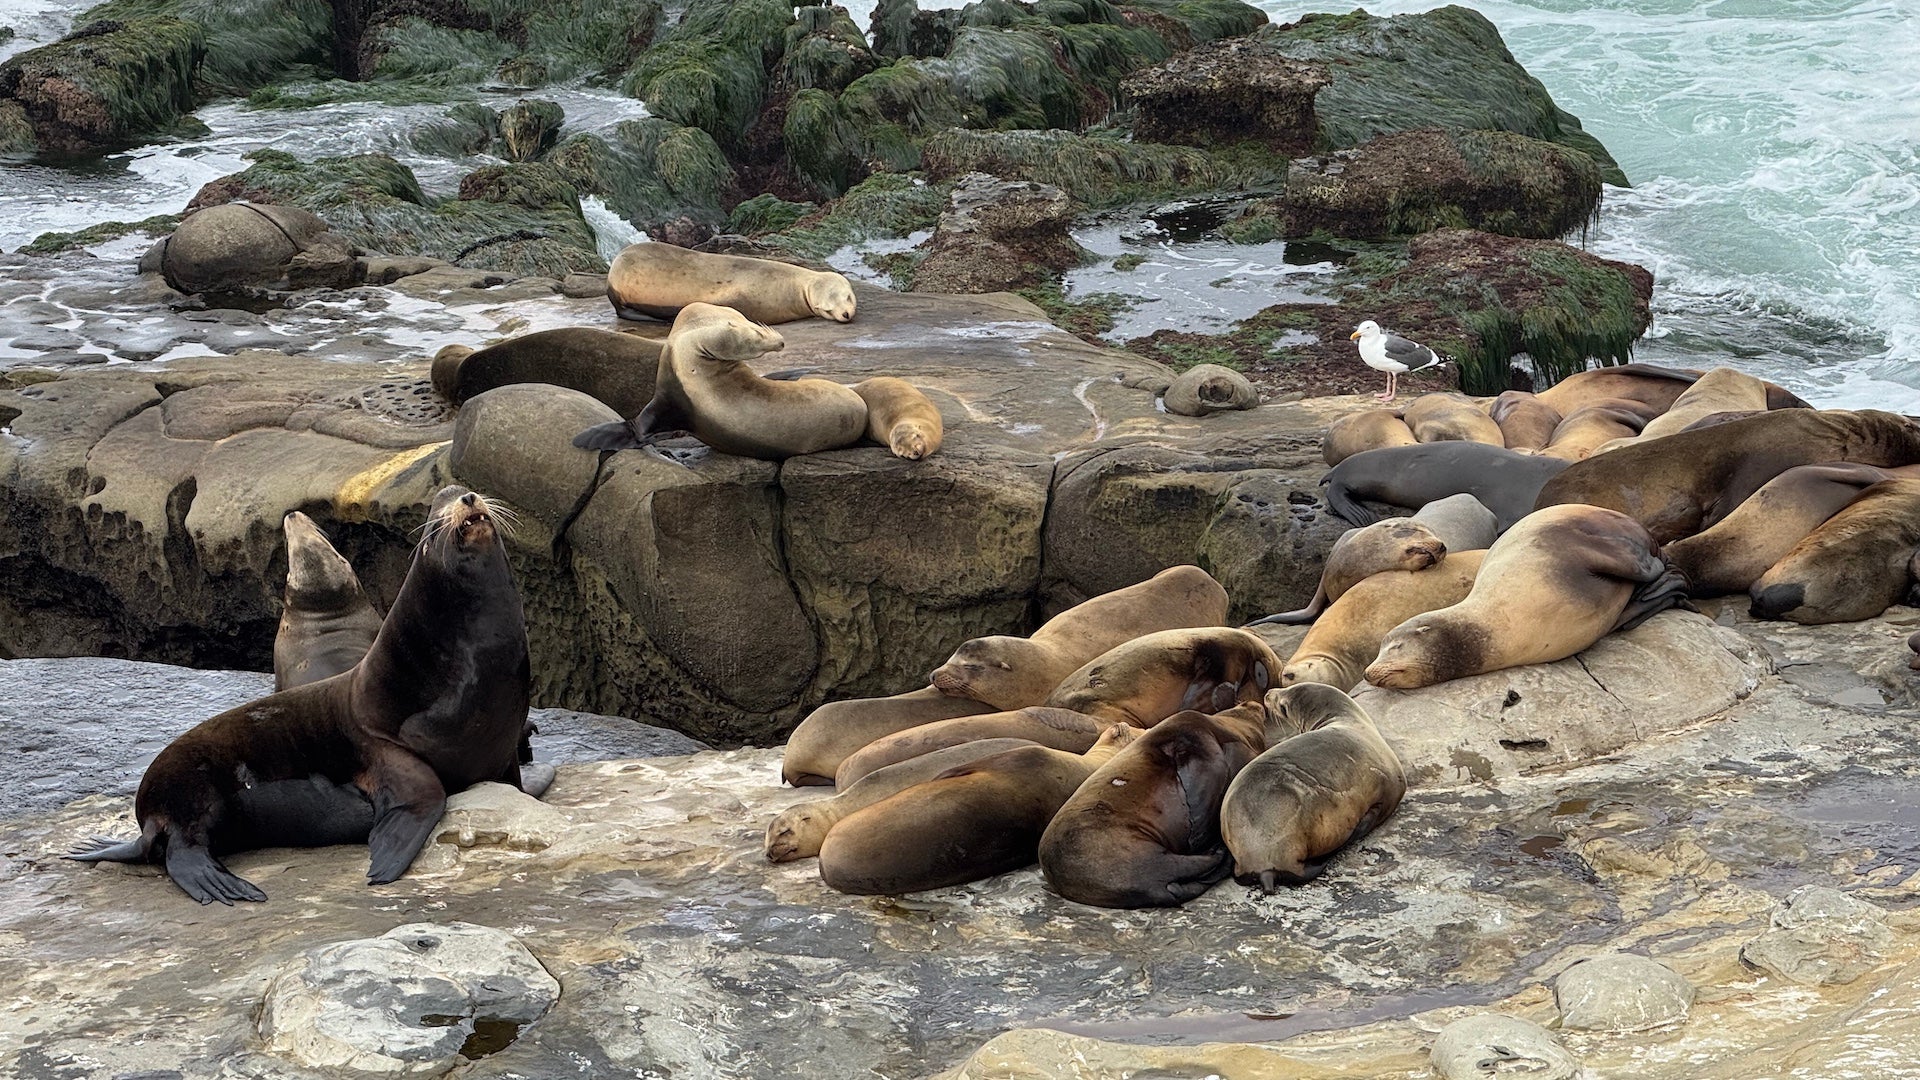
(1775,601)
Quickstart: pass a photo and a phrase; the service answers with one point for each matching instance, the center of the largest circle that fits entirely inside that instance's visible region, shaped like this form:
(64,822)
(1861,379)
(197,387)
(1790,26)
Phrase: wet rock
(529,128)
(415,1001)
(583,286)
(663,177)
(108,83)
(1822,936)
(1227,92)
(1097,170)
(240,249)
(900,29)
(998,235)
(1493,1045)
(385,270)
(496,815)
(1621,992)
(1205,389)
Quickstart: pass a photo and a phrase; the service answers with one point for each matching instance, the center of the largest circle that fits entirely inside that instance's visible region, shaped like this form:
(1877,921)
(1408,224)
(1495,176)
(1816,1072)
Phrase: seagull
(1392,354)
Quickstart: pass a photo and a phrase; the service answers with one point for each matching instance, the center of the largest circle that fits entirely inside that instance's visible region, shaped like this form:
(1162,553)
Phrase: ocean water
(1773,147)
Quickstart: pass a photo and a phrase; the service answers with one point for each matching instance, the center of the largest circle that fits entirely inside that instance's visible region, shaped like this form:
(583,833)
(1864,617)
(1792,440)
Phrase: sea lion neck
(457,614)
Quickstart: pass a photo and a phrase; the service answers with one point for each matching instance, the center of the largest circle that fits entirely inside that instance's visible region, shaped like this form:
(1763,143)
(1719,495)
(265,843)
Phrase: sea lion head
(908,440)
(723,334)
(318,578)
(1422,651)
(1416,546)
(831,297)
(972,662)
(462,524)
(1315,669)
(1303,707)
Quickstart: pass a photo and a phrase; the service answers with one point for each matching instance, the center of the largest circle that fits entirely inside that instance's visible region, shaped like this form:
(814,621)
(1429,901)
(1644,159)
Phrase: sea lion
(1308,796)
(1687,482)
(1373,429)
(1455,523)
(900,417)
(1553,585)
(834,731)
(1650,385)
(1732,555)
(1597,424)
(654,280)
(1855,565)
(1013,673)
(1347,636)
(1144,829)
(1156,675)
(326,622)
(970,822)
(1526,422)
(1205,389)
(1449,417)
(1723,389)
(705,386)
(797,831)
(618,369)
(439,703)
(1505,481)
(1059,729)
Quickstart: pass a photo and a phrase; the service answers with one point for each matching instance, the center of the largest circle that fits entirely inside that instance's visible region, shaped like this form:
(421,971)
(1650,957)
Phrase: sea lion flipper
(107,849)
(408,800)
(1340,500)
(202,876)
(615,435)
(1669,590)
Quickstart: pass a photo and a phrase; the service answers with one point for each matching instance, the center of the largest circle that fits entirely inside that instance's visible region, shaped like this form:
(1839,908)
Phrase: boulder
(1822,936)
(107,84)
(240,249)
(998,235)
(1621,992)
(1227,92)
(1490,1044)
(528,128)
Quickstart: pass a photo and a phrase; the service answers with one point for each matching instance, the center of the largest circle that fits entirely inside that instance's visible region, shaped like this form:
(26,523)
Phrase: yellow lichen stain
(355,497)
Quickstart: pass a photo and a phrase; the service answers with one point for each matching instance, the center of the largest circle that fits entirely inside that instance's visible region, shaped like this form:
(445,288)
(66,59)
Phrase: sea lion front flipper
(535,777)
(408,800)
(614,435)
(202,876)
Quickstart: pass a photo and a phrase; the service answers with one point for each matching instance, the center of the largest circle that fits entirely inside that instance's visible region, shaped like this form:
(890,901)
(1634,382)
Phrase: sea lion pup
(1723,389)
(1455,523)
(1370,430)
(1684,483)
(1013,673)
(1598,424)
(1144,829)
(1526,422)
(439,703)
(1448,417)
(326,622)
(1505,481)
(900,417)
(1205,389)
(1154,676)
(1556,583)
(834,731)
(796,832)
(617,369)
(1060,729)
(1298,804)
(654,280)
(705,386)
(970,822)
(1855,565)
(1347,636)
(1732,555)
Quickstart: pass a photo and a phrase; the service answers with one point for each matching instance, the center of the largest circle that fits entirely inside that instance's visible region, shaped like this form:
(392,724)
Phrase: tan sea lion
(1855,565)
(796,832)
(834,731)
(1562,579)
(618,369)
(1205,389)
(1060,729)
(1732,555)
(1526,422)
(1369,430)
(1684,483)
(1645,383)
(1308,796)
(654,280)
(1723,389)
(1448,417)
(1455,523)
(1154,676)
(1597,424)
(326,622)
(704,386)
(900,417)
(970,822)
(1347,636)
(1013,673)
(1913,643)
(1144,829)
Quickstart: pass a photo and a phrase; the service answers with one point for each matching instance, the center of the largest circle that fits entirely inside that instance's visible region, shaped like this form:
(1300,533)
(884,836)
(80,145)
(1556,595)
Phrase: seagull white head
(1366,329)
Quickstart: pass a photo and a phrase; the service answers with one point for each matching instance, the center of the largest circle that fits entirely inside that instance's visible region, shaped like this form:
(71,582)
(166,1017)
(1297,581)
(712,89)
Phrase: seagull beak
(1355,336)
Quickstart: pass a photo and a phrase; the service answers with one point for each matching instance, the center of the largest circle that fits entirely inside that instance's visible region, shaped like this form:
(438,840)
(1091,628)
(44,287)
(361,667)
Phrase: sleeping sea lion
(617,369)
(1855,565)
(1505,481)
(1447,417)
(1455,523)
(1154,676)
(834,731)
(1526,422)
(1061,729)
(1599,423)
(1732,555)
(1723,389)
(1347,636)
(1369,430)
(659,281)
(900,417)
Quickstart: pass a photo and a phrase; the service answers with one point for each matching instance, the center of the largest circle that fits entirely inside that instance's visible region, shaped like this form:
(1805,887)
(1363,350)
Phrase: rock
(414,1001)
(496,815)
(1494,1045)
(900,29)
(1227,92)
(529,128)
(663,177)
(1621,992)
(1822,936)
(1205,389)
(1098,170)
(584,286)
(385,270)
(107,84)
(998,235)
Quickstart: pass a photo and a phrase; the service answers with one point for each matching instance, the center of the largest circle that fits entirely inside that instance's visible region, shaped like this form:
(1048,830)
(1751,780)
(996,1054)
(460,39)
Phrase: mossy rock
(529,128)
(710,71)
(900,29)
(53,243)
(250,43)
(1443,68)
(470,128)
(16,131)
(884,206)
(824,51)
(652,172)
(765,214)
(533,185)
(107,84)
(1101,169)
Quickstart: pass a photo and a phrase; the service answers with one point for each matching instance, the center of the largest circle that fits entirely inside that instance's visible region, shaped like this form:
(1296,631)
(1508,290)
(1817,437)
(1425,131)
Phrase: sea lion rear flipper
(1302,615)
(1669,590)
(408,800)
(202,877)
(107,849)
(615,435)
(1192,875)
(789,374)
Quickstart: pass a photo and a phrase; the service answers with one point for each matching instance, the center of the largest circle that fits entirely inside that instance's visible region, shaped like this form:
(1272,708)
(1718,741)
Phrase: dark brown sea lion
(1347,636)
(703,385)
(834,731)
(1684,483)
(1060,729)
(1732,555)
(1855,565)
(900,417)
(1154,676)
(439,703)
(618,369)
(1553,585)
(1526,422)
(796,832)
(970,822)
(1144,829)
(1373,429)
(1455,523)
(1449,417)
(1012,673)
(1505,481)
(1597,424)
(326,622)
(1310,795)
(659,281)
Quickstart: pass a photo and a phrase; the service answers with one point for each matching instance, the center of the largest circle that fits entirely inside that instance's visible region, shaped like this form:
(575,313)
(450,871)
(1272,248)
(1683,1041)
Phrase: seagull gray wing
(1410,353)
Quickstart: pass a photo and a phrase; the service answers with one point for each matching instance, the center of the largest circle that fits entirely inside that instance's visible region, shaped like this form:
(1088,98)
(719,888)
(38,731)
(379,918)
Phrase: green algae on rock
(884,205)
(528,128)
(1100,169)
(108,83)
(54,243)
(665,178)
(710,70)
